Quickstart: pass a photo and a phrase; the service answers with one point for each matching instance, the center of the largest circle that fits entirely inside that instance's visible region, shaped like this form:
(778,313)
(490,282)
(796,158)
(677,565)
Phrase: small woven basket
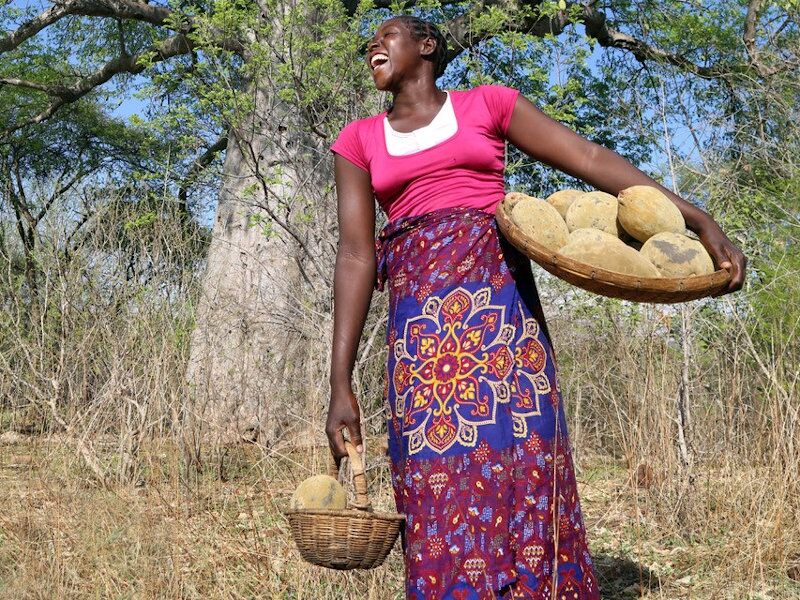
(609,283)
(354,538)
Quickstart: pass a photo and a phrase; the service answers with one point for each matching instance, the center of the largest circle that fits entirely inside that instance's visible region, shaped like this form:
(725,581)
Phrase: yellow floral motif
(452,367)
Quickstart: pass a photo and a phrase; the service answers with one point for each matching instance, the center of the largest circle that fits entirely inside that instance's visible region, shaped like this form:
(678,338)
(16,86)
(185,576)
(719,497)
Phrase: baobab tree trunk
(271,255)
(237,348)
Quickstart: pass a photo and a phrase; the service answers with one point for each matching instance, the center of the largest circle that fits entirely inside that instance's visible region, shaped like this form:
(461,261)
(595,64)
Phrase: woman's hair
(419,30)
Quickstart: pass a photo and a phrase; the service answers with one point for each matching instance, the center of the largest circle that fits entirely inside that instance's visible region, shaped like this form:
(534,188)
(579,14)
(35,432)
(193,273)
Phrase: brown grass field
(62,536)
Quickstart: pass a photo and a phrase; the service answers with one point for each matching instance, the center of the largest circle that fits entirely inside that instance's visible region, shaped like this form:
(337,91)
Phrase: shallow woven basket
(609,283)
(354,538)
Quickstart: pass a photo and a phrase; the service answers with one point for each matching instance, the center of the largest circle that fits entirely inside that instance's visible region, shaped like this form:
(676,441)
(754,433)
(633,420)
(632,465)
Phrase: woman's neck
(413,101)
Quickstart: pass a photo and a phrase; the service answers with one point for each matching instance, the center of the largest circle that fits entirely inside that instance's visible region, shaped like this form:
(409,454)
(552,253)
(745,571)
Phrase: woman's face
(392,55)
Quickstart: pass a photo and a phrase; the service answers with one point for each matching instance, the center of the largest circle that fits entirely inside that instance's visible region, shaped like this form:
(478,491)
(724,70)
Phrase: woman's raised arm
(550,142)
(353,282)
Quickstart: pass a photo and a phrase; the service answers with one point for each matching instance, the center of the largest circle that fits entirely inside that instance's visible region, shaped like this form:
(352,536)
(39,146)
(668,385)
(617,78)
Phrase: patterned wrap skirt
(480,457)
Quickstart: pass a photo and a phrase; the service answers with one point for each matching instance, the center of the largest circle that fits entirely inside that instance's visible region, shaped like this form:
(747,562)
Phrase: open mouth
(378,60)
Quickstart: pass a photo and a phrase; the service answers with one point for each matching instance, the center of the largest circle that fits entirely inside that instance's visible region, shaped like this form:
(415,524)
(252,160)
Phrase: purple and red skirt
(480,457)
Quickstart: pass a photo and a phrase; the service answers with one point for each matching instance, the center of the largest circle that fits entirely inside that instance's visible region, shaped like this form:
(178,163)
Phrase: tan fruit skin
(677,255)
(541,222)
(563,199)
(511,199)
(596,210)
(319,491)
(644,211)
(589,235)
(615,257)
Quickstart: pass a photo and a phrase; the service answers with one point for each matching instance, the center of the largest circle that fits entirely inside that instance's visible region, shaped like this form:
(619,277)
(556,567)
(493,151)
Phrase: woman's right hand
(343,413)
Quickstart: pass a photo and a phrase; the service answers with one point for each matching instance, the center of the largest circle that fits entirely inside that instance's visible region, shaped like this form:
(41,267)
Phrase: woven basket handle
(359,478)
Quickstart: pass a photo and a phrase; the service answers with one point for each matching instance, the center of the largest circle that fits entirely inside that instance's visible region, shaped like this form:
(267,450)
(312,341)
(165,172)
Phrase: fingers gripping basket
(354,538)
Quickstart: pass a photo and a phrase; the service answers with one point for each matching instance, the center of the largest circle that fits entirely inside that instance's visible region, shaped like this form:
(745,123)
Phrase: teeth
(378,59)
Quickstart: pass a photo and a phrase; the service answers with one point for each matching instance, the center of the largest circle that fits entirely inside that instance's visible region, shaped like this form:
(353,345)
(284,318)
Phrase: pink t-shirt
(465,170)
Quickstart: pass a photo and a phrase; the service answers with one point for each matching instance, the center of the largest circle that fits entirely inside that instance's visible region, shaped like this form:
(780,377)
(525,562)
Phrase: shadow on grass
(622,578)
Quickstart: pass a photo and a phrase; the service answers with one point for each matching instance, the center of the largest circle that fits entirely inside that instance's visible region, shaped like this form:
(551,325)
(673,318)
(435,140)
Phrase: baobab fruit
(596,210)
(540,222)
(511,200)
(319,491)
(590,236)
(676,255)
(645,211)
(562,200)
(614,256)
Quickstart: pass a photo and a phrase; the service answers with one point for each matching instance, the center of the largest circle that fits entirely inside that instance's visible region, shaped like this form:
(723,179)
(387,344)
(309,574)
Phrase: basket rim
(555,262)
(345,512)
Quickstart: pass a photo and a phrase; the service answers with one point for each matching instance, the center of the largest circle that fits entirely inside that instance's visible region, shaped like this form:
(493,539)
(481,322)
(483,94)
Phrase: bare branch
(60,190)
(66,94)
(461,37)
(32,27)
(53,90)
(198,167)
(749,36)
(122,9)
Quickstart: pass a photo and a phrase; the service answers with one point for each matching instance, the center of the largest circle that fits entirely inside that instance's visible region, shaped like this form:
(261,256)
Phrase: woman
(478,444)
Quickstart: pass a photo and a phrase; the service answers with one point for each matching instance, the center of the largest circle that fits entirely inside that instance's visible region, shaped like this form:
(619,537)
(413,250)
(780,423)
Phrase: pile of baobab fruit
(640,232)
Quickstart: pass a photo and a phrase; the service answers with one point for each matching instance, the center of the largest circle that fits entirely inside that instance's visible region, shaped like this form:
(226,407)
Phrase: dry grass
(62,536)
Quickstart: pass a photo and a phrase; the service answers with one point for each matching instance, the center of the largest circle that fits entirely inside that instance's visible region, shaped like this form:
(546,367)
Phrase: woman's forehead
(389,23)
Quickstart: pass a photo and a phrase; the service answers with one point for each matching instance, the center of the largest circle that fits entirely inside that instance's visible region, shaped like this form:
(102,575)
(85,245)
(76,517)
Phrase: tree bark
(237,356)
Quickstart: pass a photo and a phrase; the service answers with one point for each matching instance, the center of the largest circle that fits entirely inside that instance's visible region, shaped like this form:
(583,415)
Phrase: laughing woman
(478,445)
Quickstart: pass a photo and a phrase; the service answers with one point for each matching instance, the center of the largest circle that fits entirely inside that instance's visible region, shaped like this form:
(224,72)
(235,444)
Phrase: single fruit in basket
(676,255)
(319,491)
(645,211)
(563,199)
(596,210)
(612,256)
(540,222)
(511,200)
(590,236)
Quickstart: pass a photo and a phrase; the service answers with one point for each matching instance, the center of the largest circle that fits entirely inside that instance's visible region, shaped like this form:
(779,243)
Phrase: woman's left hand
(725,254)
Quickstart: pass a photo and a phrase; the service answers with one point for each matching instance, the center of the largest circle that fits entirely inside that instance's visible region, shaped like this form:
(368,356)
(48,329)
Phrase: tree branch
(122,9)
(58,192)
(749,38)
(596,27)
(198,167)
(66,94)
(749,35)
(460,36)
(32,27)
(52,90)
(124,63)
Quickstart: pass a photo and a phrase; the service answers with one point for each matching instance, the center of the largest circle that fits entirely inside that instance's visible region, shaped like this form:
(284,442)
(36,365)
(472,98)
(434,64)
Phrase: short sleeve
(500,101)
(348,144)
